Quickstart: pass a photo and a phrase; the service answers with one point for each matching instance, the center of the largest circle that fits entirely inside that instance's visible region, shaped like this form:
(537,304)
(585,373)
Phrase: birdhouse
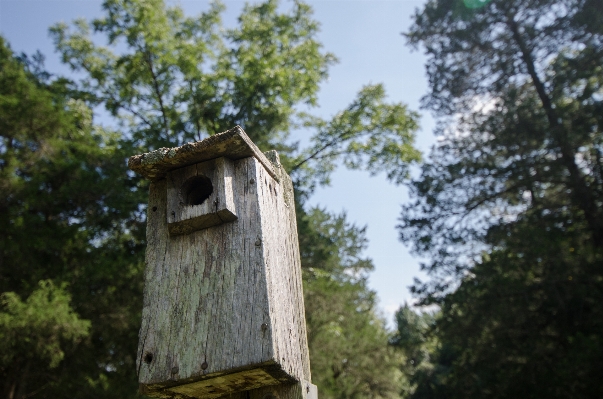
(223,309)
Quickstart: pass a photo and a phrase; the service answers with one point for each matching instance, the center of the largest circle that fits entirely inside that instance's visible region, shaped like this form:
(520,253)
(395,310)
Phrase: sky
(365,35)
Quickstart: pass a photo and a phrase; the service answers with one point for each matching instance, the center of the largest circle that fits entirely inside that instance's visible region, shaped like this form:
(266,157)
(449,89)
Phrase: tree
(182,78)
(30,334)
(349,352)
(416,338)
(68,230)
(509,205)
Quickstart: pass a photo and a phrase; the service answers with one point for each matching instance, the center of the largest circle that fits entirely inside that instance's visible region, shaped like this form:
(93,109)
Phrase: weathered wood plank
(233,144)
(226,385)
(283,268)
(200,196)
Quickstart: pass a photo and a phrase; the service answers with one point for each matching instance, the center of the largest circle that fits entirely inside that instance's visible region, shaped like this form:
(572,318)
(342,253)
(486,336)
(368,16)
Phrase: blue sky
(366,37)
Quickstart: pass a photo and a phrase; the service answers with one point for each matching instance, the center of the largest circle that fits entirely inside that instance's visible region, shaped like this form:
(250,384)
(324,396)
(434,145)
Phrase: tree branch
(157,91)
(315,153)
(581,192)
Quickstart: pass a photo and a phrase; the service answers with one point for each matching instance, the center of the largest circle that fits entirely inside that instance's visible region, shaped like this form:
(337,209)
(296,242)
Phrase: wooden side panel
(283,270)
(206,304)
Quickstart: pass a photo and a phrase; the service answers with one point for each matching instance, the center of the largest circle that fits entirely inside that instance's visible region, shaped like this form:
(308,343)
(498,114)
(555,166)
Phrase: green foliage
(182,78)
(67,214)
(527,133)
(369,134)
(38,327)
(349,352)
(537,305)
(411,334)
(172,78)
(335,247)
(508,207)
(416,338)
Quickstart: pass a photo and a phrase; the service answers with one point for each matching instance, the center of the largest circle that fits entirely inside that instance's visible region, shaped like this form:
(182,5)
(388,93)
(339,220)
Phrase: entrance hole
(196,190)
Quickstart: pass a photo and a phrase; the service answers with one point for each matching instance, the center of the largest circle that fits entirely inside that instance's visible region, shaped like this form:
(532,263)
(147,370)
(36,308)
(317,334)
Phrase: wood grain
(216,176)
(225,304)
(233,144)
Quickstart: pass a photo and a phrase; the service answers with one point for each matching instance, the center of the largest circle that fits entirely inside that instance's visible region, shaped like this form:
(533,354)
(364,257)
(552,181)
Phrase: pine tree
(70,248)
(508,207)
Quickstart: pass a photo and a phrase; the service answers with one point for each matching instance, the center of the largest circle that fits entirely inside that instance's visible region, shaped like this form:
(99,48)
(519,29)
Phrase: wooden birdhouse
(223,309)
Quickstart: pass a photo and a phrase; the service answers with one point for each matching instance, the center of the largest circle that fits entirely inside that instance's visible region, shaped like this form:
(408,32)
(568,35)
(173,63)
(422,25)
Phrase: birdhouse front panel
(200,196)
(223,302)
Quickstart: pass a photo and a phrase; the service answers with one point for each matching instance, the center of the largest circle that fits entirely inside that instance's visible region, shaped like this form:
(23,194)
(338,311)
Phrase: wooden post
(223,309)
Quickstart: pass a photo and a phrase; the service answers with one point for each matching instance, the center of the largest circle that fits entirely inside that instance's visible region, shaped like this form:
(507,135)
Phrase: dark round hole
(196,190)
(148,357)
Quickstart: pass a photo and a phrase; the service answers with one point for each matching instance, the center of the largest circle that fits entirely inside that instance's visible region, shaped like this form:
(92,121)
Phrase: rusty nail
(175,370)
(204,366)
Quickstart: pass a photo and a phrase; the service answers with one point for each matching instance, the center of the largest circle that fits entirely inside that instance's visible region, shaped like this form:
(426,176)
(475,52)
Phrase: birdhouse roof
(233,144)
